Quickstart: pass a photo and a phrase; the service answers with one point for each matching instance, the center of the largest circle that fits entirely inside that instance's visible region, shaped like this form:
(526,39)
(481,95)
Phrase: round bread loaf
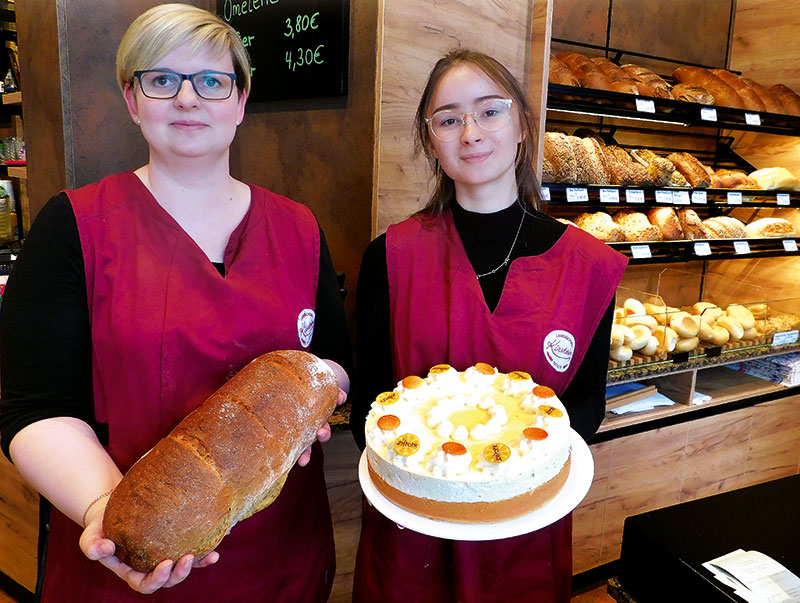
(225,461)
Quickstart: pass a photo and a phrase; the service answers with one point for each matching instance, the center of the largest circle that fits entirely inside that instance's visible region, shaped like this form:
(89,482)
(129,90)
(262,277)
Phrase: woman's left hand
(323,433)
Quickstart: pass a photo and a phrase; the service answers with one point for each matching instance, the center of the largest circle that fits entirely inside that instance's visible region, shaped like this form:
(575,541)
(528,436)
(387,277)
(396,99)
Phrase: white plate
(570,496)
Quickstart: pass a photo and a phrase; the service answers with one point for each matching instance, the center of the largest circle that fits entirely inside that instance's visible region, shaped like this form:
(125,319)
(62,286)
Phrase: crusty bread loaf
(694,171)
(769,227)
(618,79)
(648,83)
(562,164)
(659,168)
(623,170)
(693,227)
(665,219)
(771,100)
(561,74)
(752,101)
(788,97)
(692,93)
(224,462)
(600,225)
(635,226)
(723,94)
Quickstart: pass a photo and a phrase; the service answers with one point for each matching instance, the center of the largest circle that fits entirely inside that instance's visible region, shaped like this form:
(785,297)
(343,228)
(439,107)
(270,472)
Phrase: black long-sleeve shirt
(487,239)
(45,336)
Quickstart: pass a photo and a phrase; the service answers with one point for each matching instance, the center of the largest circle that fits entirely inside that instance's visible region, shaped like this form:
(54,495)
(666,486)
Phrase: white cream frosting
(501,408)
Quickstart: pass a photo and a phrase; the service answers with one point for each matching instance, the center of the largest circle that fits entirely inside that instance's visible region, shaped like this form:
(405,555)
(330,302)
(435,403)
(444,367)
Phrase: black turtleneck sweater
(487,239)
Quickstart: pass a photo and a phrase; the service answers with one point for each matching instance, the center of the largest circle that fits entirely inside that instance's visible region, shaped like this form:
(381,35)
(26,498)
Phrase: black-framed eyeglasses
(491,115)
(164,84)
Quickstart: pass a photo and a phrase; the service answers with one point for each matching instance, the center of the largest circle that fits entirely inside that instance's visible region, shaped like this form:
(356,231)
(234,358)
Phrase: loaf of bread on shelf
(624,170)
(548,171)
(588,74)
(562,162)
(647,82)
(666,220)
(725,227)
(635,226)
(775,178)
(750,98)
(561,74)
(769,227)
(601,226)
(618,80)
(692,93)
(659,168)
(771,100)
(224,462)
(723,94)
(788,97)
(736,179)
(590,161)
(691,169)
(693,228)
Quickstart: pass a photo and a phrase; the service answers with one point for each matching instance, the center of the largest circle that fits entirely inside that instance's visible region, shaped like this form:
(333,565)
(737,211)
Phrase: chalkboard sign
(298,48)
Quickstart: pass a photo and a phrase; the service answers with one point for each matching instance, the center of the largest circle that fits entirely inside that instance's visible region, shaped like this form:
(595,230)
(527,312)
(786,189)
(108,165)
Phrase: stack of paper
(784,369)
(756,577)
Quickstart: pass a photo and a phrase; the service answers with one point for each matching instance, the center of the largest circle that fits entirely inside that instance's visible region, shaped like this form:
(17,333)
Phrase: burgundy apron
(167,331)
(543,324)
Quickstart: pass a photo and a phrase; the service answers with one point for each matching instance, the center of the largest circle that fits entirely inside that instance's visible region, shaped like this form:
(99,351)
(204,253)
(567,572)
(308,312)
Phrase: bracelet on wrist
(91,504)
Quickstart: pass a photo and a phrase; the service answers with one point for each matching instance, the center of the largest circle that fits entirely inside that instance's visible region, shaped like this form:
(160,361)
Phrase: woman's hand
(98,548)
(323,433)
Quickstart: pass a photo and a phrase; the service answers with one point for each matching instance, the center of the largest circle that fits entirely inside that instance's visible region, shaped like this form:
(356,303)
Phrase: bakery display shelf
(667,366)
(657,252)
(603,103)
(577,195)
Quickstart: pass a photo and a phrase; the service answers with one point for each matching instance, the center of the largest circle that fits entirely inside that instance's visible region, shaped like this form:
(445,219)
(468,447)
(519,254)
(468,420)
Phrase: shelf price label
(645,105)
(680,197)
(790,245)
(752,119)
(641,252)
(785,338)
(741,247)
(699,197)
(663,196)
(702,249)
(545,193)
(609,195)
(734,198)
(634,195)
(708,114)
(577,195)
(783,198)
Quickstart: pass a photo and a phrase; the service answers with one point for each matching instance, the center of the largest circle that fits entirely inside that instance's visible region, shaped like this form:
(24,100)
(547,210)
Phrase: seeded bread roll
(224,462)
(601,226)
(635,226)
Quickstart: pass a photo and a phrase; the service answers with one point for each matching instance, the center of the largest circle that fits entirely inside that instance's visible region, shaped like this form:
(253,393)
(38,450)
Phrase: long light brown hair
(444,190)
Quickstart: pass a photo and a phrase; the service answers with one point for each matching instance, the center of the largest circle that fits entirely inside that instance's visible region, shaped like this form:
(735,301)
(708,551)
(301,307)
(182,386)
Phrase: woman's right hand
(98,548)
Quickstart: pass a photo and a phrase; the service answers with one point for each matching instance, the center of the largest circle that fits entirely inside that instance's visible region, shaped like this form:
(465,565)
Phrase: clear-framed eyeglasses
(164,84)
(491,115)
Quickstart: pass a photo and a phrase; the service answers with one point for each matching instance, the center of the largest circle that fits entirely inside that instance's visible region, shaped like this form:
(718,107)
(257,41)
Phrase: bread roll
(720,335)
(769,227)
(600,225)
(692,94)
(641,319)
(732,326)
(775,178)
(635,226)
(224,462)
(742,315)
(633,306)
(683,324)
(752,101)
(617,336)
(621,354)
(561,74)
(641,338)
(667,338)
(788,97)
(651,347)
(694,171)
(723,94)
(771,101)
(666,220)
(686,344)
(647,82)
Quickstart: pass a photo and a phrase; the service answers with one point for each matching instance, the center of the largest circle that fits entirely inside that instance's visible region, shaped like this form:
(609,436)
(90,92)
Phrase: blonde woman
(136,297)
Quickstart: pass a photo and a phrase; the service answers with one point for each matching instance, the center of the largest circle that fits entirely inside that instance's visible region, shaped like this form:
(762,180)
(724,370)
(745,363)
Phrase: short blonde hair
(160,30)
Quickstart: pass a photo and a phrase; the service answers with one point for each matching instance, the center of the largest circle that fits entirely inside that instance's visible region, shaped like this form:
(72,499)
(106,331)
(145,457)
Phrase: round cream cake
(472,446)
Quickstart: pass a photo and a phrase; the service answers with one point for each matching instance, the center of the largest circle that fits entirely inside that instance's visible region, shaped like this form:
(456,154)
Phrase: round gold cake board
(574,490)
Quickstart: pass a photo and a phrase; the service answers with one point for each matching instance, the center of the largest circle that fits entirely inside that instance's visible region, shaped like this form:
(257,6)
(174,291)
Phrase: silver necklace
(508,257)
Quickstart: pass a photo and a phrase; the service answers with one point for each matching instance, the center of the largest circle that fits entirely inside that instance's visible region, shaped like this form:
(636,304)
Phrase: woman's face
(187,126)
(476,158)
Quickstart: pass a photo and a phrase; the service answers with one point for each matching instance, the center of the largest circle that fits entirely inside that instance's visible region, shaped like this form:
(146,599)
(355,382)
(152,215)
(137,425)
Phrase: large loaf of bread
(224,462)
